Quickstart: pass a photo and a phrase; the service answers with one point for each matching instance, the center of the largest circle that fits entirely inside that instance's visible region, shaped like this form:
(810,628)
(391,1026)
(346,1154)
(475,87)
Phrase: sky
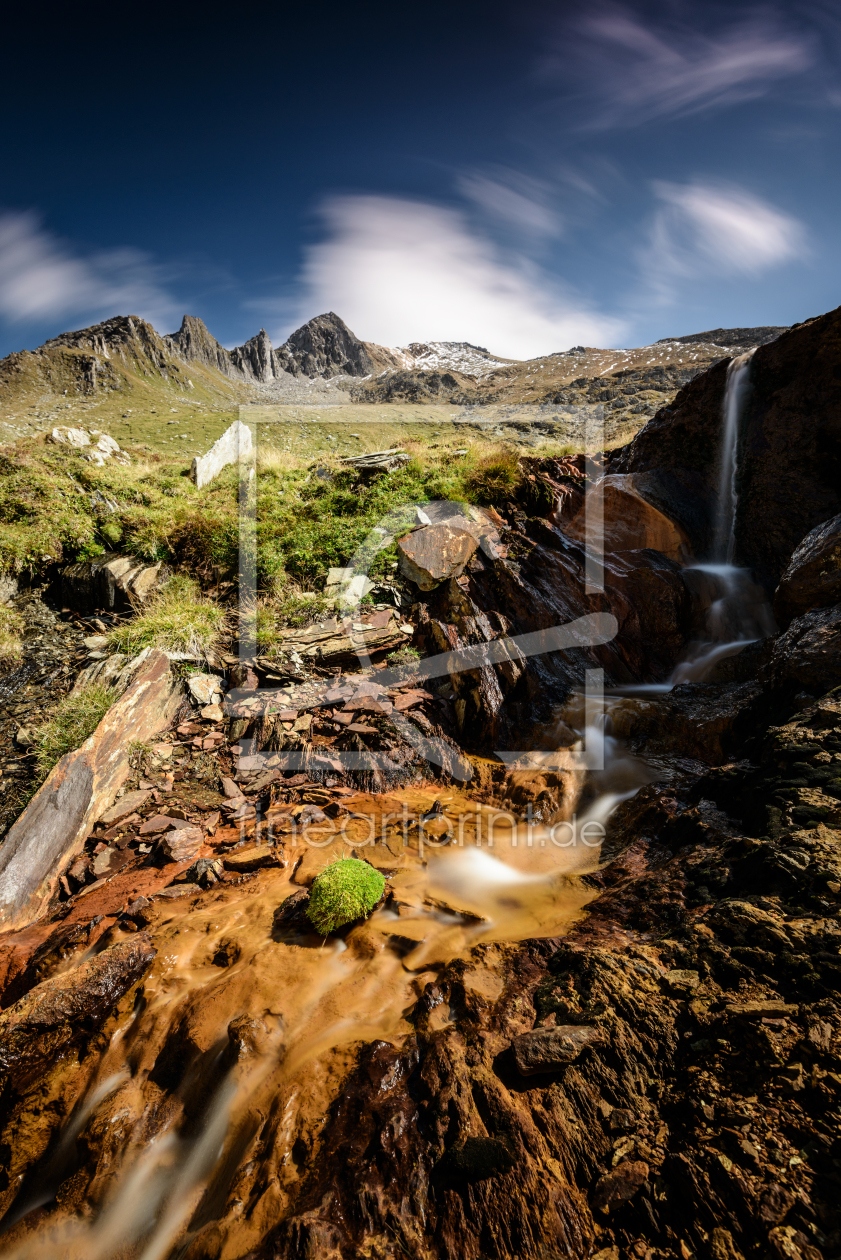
(524,176)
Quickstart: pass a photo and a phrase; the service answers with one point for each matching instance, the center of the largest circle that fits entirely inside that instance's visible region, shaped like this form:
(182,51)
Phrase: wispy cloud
(400,271)
(516,201)
(41,278)
(644,70)
(703,229)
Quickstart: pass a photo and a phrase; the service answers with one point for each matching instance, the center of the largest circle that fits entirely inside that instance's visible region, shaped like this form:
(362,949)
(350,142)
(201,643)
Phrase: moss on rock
(345,890)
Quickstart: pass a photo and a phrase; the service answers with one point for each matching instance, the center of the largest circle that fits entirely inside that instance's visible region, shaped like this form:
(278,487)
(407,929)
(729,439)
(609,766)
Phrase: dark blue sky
(523,176)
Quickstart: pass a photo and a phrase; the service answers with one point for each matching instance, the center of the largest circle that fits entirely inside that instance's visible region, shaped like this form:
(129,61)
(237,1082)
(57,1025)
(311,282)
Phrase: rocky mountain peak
(194,342)
(326,347)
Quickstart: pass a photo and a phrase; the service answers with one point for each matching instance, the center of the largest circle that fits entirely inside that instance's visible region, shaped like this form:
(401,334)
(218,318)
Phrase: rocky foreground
(635,1054)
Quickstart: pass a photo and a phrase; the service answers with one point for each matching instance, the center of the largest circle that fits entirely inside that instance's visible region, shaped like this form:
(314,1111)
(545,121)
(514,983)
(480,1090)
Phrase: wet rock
(251,859)
(69,1008)
(793,391)
(291,915)
(205,872)
(809,653)
(619,1186)
(627,521)
(549,1049)
(248,1037)
(54,826)
(181,844)
(431,555)
(234,445)
(813,576)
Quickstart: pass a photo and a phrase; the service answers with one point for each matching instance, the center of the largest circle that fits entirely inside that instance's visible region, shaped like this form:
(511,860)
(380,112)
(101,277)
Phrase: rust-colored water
(209,1160)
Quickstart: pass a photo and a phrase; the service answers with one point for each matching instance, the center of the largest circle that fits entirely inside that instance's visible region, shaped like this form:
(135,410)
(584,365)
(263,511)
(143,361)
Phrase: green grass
(11,629)
(57,508)
(178,619)
(73,720)
(345,890)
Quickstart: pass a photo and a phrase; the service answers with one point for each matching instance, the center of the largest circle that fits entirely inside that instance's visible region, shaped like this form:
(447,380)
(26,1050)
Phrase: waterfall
(735,392)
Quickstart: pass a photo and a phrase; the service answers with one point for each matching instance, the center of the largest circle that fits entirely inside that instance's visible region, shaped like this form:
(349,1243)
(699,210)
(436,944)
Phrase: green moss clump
(74,719)
(345,890)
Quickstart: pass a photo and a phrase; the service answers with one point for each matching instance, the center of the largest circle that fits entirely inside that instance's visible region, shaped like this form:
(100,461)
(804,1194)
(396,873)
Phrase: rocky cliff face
(325,346)
(789,459)
(92,359)
(194,343)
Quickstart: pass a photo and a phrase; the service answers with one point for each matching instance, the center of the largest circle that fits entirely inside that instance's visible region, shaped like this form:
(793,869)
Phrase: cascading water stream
(735,394)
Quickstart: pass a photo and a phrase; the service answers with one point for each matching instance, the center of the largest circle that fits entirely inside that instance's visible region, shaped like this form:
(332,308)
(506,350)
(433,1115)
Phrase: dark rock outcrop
(789,460)
(325,346)
(734,338)
(813,576)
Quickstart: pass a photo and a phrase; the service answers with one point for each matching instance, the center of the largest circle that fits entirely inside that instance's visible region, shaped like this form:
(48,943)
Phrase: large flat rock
(80,788)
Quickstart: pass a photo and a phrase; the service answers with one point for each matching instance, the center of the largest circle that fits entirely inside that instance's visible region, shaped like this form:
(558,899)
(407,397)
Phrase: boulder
(112,581)
(378,461)
(251,859)
(809,653)
(813,576)
(431,555)
(97,447)
(548,1049)
(70,1007)
(128,804)
(234,444)
(618,1186)
(64,435)
(205,689)
(54,826)
(181,844)
(621,519)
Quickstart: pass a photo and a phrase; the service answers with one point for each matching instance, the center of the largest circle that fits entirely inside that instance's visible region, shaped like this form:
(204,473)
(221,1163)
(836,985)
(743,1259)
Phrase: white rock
(205,689)
(66,436)
(233,445)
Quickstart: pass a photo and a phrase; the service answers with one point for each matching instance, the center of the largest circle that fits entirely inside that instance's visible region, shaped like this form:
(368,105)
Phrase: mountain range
(126,361)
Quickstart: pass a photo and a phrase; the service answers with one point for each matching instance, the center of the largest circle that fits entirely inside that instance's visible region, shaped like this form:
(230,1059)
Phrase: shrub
(345,890)
(75,717)
(178,619)
(494,477)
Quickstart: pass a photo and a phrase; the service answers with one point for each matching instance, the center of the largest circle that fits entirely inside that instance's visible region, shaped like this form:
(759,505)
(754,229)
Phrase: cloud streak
(42,279)
(710,229)
(400,270)
(648,71)
(515,201)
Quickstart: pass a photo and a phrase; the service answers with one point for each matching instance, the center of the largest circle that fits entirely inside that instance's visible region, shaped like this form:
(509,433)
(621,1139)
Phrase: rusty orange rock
(53,828)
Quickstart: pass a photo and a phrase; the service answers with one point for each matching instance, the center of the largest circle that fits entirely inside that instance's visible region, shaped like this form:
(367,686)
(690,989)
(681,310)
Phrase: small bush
(75,718)
(495,477)
(178,619)
(345,890)
(404,656)
(11,629)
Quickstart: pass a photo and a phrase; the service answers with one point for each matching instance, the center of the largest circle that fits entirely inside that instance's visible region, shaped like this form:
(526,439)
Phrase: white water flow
(738,612)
